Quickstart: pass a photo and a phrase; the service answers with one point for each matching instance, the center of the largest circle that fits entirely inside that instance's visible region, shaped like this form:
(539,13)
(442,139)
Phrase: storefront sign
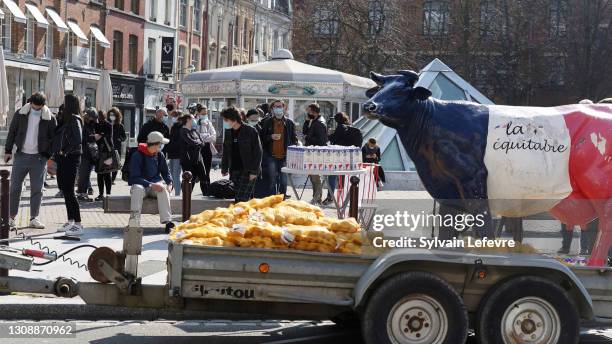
(292,90)
(124,93)
(167,55)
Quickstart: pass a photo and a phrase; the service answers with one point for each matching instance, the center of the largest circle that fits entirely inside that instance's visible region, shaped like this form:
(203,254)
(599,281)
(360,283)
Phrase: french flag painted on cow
(504,160)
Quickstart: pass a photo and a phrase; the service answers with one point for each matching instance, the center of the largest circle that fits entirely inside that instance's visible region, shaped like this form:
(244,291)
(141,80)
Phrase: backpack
(223,189)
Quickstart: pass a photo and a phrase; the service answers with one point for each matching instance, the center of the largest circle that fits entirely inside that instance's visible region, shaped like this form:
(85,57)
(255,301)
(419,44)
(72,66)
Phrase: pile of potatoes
(273,224)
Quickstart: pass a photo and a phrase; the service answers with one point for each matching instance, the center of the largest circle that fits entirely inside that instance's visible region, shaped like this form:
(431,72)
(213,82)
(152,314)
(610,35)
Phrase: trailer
(399,296)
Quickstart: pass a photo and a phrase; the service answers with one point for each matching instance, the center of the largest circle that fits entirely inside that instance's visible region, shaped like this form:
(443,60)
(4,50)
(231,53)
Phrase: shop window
(118,51)
(133,54)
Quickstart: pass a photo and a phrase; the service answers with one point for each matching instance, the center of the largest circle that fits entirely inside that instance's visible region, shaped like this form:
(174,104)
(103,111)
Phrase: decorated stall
(282,77)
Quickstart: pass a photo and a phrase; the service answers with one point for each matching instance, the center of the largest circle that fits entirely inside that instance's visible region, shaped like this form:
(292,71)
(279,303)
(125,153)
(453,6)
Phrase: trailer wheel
(528,309)
(415,308)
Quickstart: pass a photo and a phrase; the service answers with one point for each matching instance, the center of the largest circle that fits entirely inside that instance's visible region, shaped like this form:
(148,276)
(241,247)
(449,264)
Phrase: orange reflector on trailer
(264,268)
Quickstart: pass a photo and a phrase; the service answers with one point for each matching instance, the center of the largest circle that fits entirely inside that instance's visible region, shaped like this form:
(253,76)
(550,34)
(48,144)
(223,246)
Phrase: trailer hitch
(107,266)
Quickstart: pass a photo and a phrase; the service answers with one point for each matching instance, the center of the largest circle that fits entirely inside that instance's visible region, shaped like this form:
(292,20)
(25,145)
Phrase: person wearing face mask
(242,154)
(209,137)
(31,133)
(277,133)
(173,150)
(119,136)
(155,124)
(315,134)
(104,139)
(190,147)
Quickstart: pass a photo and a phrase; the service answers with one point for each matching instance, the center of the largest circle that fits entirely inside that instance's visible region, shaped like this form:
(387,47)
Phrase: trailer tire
(415,307)
(528,308)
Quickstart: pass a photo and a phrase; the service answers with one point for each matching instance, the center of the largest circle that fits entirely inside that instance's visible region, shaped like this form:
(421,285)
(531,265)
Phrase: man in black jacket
(154,124)
(277,133)
(241,154)
(315,134)
(31,132)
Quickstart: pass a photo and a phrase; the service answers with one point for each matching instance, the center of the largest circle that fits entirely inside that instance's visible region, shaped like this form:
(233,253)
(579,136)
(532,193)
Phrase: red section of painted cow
(590,172)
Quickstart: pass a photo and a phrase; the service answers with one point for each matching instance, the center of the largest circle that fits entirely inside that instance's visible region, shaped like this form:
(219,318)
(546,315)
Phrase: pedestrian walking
(209,137)
(116,118)
(104,138)
(315,134)
(277,134)
(173,150)
(150,177)
(31,133)
(191,147)
(68,149)
(90,155)
(242,154)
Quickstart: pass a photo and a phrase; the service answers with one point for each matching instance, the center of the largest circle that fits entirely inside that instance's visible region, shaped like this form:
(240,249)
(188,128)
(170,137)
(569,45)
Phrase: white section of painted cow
(527,158)
(599,142)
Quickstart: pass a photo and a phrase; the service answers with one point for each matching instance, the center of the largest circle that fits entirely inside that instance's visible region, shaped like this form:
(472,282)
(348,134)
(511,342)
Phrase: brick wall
(128,24)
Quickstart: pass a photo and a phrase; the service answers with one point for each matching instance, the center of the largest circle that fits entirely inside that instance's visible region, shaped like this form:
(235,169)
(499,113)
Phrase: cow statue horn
(377,78)
(412,76)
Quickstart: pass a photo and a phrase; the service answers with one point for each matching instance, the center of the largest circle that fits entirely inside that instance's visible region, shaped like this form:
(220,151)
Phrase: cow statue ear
(421,93)
(377,78)
(411,76)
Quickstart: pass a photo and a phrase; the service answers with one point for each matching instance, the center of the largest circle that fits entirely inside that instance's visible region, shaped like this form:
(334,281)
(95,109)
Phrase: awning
(57,20)
(104,43)
(40,19)
(77,31)
(18,16)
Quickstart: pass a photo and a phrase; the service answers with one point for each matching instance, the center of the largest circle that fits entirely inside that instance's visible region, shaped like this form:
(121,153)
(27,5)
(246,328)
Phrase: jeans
(67,167)
(34,165)
(139,192)
(175,172)
(84,182)
(277,179)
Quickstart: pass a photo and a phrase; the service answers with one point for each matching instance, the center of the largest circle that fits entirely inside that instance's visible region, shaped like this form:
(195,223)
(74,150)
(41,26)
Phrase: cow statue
(504,160)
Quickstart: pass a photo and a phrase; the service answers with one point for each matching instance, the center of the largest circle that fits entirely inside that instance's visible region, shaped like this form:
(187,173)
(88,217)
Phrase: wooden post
(4,211)
(186,186)
(354,198)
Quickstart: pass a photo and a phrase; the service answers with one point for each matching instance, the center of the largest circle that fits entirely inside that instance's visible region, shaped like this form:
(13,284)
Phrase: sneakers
(74,230)
(315,202)
(99,198)
(563,250)
(35,223)
(12,223)
(84,197)
(169,227)
(328,201)
(65,226)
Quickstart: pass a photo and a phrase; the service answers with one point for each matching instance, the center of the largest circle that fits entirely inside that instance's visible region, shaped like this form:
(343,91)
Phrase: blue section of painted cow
(445,140)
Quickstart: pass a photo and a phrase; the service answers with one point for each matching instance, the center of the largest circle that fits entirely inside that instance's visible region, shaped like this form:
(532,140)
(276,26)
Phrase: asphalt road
(224,332)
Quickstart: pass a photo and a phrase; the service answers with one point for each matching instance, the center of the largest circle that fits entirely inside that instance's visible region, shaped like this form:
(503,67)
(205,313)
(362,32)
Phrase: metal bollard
(354,198)
(186,186)
(4,210)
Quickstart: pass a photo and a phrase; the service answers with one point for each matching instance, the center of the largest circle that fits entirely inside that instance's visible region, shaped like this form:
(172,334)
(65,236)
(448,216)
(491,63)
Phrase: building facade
(125,26)
(160,38)
(32,34)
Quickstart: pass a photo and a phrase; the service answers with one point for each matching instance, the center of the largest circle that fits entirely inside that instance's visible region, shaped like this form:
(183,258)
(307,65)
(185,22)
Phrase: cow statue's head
(394,97)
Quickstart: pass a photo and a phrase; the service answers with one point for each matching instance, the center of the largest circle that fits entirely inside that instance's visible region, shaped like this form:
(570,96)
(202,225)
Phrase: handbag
(93,150)
(109,161)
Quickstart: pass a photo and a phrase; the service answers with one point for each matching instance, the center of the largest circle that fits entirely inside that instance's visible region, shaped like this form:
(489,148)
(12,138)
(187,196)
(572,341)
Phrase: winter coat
(19,127)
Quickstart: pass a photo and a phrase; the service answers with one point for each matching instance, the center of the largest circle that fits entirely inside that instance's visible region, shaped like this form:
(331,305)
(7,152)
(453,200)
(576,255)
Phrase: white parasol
(54,86)
(104,93)
(4,94)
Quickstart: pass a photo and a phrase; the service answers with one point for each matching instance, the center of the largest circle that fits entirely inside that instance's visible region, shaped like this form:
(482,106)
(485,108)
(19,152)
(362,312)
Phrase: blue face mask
(278,111)
(204,117)
(36,112)
(194,123)
(226,125)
